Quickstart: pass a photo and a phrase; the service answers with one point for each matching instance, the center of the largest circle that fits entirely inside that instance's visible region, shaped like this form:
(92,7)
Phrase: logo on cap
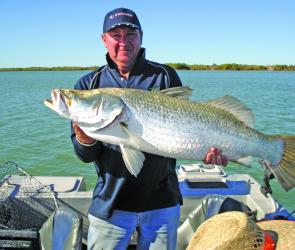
(120,14)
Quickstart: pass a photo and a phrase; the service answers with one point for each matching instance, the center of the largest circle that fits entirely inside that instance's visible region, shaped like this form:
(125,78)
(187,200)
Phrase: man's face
(123,44)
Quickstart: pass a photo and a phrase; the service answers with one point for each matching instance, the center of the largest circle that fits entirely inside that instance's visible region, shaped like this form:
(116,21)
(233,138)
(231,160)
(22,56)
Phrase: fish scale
(187,128)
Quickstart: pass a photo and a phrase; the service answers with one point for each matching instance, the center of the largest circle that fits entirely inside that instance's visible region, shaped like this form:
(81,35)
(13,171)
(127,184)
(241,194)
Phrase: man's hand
(81,136)
(215,156)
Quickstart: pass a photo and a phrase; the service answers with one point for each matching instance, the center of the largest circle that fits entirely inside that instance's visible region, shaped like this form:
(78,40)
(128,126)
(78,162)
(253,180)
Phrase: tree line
(63,68)
(231,66)
(177,66)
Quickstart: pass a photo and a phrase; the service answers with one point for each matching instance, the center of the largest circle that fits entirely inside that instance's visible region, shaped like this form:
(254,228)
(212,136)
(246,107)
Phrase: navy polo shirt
(156,186)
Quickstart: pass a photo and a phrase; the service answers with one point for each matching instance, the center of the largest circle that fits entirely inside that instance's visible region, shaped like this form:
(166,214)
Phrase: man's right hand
(81,136)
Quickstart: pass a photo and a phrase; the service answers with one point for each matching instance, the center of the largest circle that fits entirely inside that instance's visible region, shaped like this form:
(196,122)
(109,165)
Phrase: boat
(198,183)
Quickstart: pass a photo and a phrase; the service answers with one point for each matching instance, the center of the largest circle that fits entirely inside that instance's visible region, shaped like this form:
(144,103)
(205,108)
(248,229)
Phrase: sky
(68,32)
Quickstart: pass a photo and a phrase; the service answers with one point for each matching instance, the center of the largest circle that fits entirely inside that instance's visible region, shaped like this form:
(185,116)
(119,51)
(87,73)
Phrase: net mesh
(25,203)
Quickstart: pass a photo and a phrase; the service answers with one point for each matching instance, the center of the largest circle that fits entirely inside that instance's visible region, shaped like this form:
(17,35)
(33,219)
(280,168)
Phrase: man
(122,203)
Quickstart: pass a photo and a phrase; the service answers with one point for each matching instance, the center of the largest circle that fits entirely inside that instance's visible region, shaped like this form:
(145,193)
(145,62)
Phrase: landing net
(25,203)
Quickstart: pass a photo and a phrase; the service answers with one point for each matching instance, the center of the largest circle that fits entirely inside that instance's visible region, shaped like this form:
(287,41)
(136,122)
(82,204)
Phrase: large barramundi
(167,124)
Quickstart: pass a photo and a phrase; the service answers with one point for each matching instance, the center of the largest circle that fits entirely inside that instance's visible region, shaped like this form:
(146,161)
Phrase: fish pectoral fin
(133,159)
(235,107)
(178,92)
(246,161)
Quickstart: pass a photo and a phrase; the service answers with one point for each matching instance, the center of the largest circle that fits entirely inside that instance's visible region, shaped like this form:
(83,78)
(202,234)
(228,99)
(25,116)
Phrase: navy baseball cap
(120,16)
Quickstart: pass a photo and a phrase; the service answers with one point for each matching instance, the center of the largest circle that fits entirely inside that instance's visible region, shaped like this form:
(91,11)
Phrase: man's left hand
(215,156)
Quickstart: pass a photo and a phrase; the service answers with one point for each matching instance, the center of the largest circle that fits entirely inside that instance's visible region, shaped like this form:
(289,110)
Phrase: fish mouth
(58,102)
(49,104)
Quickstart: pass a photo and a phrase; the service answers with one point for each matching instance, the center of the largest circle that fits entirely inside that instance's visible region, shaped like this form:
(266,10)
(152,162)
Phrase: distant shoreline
(177,66)
(65,68)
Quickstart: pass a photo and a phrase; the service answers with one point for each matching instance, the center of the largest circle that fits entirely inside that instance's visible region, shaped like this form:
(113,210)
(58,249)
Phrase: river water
(39,140)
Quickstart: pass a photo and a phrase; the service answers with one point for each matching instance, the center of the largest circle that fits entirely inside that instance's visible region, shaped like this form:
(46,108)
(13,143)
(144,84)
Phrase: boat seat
(62,230)
(211,205)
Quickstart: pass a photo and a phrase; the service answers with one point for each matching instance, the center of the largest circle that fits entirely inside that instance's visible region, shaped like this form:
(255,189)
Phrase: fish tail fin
(285,170)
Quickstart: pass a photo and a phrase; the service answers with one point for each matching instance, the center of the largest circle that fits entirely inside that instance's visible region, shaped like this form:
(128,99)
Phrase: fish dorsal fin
(235,107)
(178,92)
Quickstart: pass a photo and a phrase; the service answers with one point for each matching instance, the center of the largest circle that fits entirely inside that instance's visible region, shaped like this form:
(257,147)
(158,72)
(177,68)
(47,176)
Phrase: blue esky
(67,32)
